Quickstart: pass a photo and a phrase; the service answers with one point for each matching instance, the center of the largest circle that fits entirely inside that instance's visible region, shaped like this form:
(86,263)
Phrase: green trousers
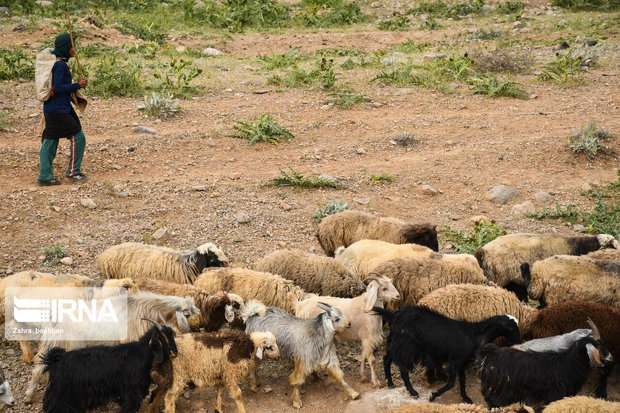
(48,153)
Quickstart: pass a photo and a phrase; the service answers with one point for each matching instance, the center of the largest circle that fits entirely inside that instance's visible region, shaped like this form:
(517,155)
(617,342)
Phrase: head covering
(62,46)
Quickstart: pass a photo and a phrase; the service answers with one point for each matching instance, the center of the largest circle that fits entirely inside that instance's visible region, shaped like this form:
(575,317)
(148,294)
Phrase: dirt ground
(193,178)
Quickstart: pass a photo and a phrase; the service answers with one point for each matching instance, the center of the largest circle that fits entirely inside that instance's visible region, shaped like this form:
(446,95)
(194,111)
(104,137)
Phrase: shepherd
(61,121)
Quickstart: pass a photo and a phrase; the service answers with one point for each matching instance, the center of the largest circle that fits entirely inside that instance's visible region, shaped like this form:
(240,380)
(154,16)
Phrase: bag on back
(43,73)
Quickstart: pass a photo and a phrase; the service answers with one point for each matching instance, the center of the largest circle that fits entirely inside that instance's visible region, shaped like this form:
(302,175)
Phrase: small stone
(123,194)
(579,228)
(517,25)
(267,389)
(242,218)
(563,46)
(281,244)
(325,107)
(376,104)
(4,10)
(88,203)
(544,197)
(41,258)
(66,261)
(523,208)
(375,4)
(211,51)
(502,194)
(586,187)
(200,188)
(233,176)
(454,217)
(533,96)
(405,139)
(79,241)
(160,233)
(19,27)
(180,49)
(591,43)
(362,201)
(144,129)
(360,151)
(261,91)
(117,167)
(55,208)
(430,57)
(285,206)
(44,3)
(9,271)
(429,190)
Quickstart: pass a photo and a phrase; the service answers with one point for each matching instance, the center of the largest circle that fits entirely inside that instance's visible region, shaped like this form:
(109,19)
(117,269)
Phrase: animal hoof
(376,385)
(355,395)
(430,399)
(391,385)
(467,400)
(254,389)
(297,405)
(364,379)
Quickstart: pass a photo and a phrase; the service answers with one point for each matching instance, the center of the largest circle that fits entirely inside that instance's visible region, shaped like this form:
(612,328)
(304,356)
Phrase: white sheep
(365,326)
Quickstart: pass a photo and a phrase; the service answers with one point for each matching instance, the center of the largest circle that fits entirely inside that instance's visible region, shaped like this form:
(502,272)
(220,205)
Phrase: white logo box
(66,313)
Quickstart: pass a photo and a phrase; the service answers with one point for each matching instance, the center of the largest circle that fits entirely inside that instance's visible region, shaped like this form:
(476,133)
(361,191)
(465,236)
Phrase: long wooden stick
(72,43)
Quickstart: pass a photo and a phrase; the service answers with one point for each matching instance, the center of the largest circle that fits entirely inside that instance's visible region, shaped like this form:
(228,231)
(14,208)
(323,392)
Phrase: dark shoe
(51,182)
(78,178)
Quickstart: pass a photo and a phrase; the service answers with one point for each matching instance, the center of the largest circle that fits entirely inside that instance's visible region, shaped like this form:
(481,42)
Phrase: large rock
(502,194)
(385,400)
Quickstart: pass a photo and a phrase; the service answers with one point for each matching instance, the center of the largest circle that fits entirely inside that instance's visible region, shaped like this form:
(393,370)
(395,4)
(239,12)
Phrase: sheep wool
(362,257)
(416,277)
(460,408)
(347,227)
(132,259)
(313,273)
(271,289)
(475,303)
(582,404)
(567,277)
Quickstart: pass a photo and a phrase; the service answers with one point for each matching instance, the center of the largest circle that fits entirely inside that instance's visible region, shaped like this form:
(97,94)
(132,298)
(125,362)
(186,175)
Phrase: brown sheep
(313,273)
(582,404)
(345,228)
(460,408)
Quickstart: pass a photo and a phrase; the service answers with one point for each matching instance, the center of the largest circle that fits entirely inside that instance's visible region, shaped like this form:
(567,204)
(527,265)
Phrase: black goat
(421,335)
(509,375)
(89,377)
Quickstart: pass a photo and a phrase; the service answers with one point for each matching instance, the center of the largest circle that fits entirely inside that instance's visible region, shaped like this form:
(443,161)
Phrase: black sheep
(421,335)
(90,377)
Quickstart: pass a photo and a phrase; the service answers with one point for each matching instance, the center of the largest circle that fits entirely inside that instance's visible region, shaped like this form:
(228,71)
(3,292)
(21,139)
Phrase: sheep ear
(182,322)
(156,348)
(259,353)
(229,313)
(328,324)
(594,355)
(371,296)
(324,306)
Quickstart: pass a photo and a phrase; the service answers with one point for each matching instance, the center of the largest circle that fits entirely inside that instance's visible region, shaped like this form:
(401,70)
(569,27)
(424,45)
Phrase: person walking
(61,121)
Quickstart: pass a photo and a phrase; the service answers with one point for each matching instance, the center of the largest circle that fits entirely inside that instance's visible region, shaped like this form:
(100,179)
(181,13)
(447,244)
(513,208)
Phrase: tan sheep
(460,408)
(151,261)
(347,227)
(362,257)
(416,277)
(271,289)
(567,277)
(313,273)
(582,404)
(32,279)
(605,254)
(503,258)
(475,303)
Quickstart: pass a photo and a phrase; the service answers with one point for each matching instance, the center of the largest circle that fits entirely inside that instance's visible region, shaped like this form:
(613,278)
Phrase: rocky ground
(189,177)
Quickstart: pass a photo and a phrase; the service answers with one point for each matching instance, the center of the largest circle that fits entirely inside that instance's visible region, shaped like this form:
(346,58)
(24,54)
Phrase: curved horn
(595,334)
(375,277)
(154,323)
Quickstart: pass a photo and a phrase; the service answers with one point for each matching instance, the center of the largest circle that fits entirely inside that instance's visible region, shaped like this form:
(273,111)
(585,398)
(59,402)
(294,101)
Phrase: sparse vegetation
(501,60)
(324,76)
(599,5)
(590,140)
(438,8)
(265,129)
(296,179)
(16,64)
(465,243)
(405,139)
(329,208)
(5,118)
(394,24)
(510,7)
(113,78)
(160,106)
(383,177)
(494,87)
(142,29)
(281,61)
(53,254)
(346,100)
(176,78)
(564,67)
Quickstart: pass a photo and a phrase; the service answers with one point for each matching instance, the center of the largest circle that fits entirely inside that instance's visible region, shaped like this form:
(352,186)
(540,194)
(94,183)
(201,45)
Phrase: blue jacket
(60,101)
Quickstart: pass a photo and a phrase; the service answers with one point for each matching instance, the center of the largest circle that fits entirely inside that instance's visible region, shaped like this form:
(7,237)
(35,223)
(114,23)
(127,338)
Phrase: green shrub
(16,64)
(113,78)
(601,5)
(409,46)
(329,208)
(346,100)
(329,13)
(176,78)
(281,61)
(160,106)
(466,243)
(5,118)
(384,177)
(323,75)
(590,140)
(142,29)
(438,8)
(265,129)
(394,24)
(298,180)
(563,67)
(238,15)
(501,60)
(510,7)
(494,87)
(53,254)
(146,50)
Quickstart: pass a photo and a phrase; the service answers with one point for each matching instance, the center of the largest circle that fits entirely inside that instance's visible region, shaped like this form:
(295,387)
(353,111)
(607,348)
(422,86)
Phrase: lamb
(32,279)
(474,303)
(418,334)
(178,312)
(271,289)
(510,376)
(220,359)
(554,343)
(570,315)
(90,377)
(460,408)
(215,309)
(365,326)
(566,277)
(6,396)
(313,273)
(416,277)
(582,404)
(308,342)
(132,259)
(502,258)
(363,257)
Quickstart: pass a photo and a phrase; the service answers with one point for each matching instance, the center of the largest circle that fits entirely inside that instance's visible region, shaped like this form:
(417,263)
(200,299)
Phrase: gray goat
(6,396)
(554,343)
(308,342)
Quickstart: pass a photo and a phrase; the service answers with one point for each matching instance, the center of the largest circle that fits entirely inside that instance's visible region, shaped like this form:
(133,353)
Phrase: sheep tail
(387,315)
(52,356)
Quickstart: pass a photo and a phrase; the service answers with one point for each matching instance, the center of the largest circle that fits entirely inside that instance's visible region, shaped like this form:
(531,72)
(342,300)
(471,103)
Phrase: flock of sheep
(444,311)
